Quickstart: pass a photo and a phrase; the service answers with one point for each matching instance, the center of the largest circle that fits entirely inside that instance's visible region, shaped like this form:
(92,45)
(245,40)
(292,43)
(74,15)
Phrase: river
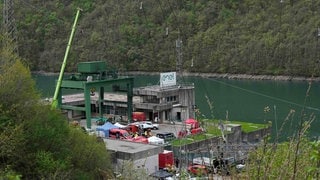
(284,103)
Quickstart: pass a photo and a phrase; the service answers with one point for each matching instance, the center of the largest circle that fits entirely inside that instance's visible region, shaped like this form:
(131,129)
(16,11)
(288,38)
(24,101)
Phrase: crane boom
(55,97)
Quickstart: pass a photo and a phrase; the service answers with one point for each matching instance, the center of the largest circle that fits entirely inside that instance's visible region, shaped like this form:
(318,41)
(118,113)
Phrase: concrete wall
(255,136)
(187,101)
(234,136)
(149,164)
(234,133)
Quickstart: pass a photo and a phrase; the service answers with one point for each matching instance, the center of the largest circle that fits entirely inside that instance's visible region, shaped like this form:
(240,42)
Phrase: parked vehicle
(138,116)
(203,161)
(197,169)
(167,136)
(132,128)
(148,125)
(145,126)
(154,126)
(119,133)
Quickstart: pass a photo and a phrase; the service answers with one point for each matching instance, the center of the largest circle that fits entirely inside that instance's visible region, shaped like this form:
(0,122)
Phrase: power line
(264,95)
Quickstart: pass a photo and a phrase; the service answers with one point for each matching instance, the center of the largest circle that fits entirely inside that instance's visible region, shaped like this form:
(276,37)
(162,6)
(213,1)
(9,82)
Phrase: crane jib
(55,97)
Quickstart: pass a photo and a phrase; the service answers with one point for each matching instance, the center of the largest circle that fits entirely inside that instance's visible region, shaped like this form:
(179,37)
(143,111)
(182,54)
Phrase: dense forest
(223,36)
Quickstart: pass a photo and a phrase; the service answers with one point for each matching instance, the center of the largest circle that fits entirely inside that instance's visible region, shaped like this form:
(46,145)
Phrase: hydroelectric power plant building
(104,94)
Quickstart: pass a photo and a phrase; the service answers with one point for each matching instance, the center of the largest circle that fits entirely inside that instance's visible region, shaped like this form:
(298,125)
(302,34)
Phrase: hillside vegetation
(221,36)
(37,142)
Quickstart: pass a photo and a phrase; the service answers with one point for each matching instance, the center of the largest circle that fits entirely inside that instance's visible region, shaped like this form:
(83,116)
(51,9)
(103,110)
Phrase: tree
(37,142)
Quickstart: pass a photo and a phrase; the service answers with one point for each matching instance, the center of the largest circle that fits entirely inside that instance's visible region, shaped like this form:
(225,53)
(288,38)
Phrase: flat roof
(127,150)
(108,96)
(158,88)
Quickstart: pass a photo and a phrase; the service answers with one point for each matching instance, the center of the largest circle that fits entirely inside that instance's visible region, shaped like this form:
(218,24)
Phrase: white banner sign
(168,79)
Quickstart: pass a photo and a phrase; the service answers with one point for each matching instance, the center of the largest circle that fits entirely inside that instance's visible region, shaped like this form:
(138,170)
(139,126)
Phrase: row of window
(171,98)
(154,99)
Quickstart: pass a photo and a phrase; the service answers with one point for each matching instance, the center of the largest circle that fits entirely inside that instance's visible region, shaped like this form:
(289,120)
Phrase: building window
(171,98)
(150,99)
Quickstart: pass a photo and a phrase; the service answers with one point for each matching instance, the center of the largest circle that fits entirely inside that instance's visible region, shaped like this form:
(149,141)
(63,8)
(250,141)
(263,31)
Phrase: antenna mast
(179,56)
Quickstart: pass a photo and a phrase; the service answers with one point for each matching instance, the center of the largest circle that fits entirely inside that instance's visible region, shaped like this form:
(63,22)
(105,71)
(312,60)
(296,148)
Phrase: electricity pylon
(9,25)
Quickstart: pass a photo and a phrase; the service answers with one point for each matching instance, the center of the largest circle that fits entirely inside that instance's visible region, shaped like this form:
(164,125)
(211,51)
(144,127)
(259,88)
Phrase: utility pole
(318,58)
(9,25)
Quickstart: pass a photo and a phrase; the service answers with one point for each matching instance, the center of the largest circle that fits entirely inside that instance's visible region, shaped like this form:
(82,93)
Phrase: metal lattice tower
(179,57)
(9,25)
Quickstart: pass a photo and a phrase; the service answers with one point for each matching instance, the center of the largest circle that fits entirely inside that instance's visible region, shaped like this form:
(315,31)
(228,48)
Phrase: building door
(178,116)
(150,115)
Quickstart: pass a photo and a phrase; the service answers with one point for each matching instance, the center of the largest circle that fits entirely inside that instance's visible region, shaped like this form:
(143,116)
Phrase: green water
(242,100)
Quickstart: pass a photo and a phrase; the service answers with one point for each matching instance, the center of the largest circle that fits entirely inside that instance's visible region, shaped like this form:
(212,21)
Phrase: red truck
(138,116)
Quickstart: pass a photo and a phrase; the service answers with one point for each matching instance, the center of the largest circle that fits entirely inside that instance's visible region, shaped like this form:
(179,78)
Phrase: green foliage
(250,127)
(299,155)
(89,155)
(179,142)
(314,167)
(268,161)
(48,166)
(9,174)
(85,5)
(36,142)
(252,37)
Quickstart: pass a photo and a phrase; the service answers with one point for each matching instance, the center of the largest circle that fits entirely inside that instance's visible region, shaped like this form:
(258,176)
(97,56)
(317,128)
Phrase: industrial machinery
(94,70)
(93,75)
(56,93)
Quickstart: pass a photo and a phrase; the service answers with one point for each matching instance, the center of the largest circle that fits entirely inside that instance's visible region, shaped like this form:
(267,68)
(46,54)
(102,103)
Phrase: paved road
(163,127)
(166,127)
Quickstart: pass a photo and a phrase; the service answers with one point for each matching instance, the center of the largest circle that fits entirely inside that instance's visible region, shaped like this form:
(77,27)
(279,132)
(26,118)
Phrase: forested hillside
(222,36)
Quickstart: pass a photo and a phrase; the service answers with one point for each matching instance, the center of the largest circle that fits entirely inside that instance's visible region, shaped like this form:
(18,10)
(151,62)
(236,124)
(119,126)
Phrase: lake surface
(254,101)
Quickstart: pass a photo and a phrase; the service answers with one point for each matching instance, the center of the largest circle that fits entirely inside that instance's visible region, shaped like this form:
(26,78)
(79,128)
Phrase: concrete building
(172,103)
(168,101)
(159,103)
(142,156)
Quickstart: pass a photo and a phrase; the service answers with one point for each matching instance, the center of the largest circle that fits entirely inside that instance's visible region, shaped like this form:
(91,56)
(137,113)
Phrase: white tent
(155,140)
(119,125)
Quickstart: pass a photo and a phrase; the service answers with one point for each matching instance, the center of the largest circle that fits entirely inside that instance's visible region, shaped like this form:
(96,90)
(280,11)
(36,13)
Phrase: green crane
(55,97)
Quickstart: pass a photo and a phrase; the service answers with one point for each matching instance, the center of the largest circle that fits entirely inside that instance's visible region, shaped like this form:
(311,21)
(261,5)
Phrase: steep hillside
(221,36)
